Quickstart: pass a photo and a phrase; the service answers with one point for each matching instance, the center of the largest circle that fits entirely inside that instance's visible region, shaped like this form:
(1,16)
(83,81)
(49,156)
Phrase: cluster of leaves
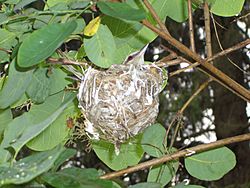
(28,36)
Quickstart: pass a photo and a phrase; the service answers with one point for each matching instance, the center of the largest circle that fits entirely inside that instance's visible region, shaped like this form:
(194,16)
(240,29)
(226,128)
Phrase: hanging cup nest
(118,103)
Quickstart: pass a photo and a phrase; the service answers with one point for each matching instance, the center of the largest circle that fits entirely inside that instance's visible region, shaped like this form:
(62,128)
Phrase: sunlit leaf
(121,10)
(92,27)
(100,48)
(42,43)
(227,7)
(211,165)
(177,10)
(130,153)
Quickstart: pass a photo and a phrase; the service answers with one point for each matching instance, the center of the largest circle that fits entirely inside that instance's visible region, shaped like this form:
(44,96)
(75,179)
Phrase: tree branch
(177,155)
(207,67)
(207,30)
(155,16)
(191,26)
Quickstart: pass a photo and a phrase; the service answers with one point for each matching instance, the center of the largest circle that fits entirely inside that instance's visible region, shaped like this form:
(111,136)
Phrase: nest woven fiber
(118,103)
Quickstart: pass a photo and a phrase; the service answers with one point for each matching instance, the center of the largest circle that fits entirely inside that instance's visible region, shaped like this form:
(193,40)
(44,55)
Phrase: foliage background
(35,106)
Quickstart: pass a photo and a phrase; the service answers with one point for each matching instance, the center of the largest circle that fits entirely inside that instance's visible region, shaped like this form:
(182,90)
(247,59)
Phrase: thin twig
(63,61)
(177,155)
(229,50)
(191,66)
(5,50)
(180,112)
(163,63)
(191,26)
(221,47)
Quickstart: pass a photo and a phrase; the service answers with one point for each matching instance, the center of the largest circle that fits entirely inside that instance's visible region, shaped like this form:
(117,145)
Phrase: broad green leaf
(162,8)
(92,27)
(66,154)
(5,118)
(76,177)
(130,36)
(130,153)
(211,165)
(6,39)
(74,4)
(22,3)
(28,168)
(100,49)
(121,10)
(42,43)
(177,10)
(146,185)
(153,140)
(51,136)
(182,185)
(163,174)
(227,7)
(24,128)
(39,88)
(17,82)
(58,80)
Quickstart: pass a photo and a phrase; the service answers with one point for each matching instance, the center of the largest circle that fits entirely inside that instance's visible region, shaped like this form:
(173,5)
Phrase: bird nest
(118,103)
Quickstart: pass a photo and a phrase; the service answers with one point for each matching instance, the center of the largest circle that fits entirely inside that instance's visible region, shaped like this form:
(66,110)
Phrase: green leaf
(66,154)
(51,136)
(42,43)
(182,185)
(100,48)
(162,8)
(24,128)
(28,168)
(58,80)
(227,8)
(17,82)
(163,174)
(39,88)
(146,185)
(211,165)
(153,140)
(6,39)
(22,3)
(130,36)
(5,118)
(129,155)
(77,178)
(177,10)
(121,10)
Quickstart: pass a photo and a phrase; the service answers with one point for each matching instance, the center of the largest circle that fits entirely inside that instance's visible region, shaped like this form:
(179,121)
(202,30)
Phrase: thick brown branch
(191,26)
(177,155)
